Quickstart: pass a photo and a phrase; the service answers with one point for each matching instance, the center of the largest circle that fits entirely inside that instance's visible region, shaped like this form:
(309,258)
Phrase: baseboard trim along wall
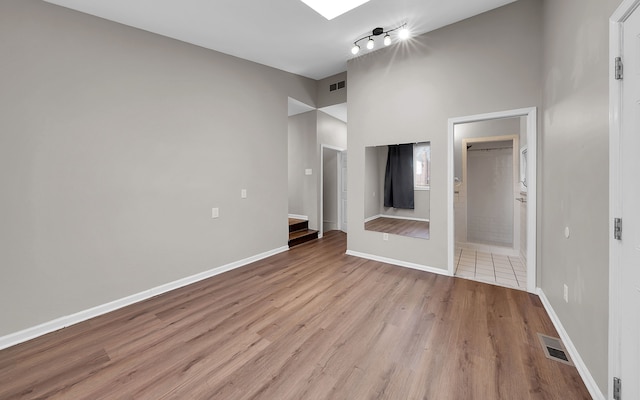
(63,322)
(399,263)
(296,216)
(588,380)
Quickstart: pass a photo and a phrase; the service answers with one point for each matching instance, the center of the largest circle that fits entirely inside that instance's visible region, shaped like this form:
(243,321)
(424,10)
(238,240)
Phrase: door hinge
(617,389)
(618,68)
(617,228)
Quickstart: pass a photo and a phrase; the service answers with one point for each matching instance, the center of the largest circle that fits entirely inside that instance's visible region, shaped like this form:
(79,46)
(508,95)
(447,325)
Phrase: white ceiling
(284,34)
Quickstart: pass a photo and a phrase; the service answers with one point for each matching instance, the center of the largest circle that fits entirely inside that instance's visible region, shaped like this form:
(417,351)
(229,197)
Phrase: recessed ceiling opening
(333,8)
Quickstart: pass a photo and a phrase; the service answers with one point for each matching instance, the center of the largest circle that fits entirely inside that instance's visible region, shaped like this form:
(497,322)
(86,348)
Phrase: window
(422,165)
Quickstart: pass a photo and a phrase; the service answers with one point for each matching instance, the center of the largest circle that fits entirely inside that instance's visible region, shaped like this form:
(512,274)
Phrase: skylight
(333,8)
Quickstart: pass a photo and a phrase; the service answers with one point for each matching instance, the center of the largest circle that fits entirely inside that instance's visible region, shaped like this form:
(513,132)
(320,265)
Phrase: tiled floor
(490,267)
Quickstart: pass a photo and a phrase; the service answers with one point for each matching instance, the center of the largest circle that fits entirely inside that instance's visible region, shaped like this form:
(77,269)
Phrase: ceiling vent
(335,86)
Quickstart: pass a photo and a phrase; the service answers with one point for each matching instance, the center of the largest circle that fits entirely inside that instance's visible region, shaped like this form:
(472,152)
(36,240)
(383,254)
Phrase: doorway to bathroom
(486,214)
(491,219)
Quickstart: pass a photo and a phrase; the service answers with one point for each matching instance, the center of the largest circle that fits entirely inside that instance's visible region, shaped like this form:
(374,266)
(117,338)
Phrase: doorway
(529,127)
(332,189)
(624,166)
(489,187)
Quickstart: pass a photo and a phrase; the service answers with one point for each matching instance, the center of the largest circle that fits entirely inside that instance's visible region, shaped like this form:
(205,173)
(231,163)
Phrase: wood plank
(310,323)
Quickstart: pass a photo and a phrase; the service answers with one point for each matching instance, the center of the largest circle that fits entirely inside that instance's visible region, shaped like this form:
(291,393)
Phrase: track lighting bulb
(404,33)
(370,44)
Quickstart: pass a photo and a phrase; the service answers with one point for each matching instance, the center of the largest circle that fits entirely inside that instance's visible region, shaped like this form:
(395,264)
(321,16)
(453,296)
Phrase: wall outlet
(566,293)
(243,193)
(385,236)
(215,213)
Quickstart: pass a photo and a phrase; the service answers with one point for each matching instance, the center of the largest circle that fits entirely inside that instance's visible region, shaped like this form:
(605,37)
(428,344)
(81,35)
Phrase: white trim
(372,218)
(13,339)
(615,125)
(588,380)
(532,140)
(399,263)
(296,216)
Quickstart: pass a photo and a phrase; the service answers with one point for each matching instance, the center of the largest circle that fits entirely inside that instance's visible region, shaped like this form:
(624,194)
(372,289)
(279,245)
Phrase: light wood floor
(404,227)
(310,323)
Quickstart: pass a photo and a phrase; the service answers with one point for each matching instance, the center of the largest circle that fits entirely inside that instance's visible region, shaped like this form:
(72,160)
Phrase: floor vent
(554,349)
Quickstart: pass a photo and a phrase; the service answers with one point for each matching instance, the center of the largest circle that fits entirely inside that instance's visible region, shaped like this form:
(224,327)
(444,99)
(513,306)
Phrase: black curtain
(398,178)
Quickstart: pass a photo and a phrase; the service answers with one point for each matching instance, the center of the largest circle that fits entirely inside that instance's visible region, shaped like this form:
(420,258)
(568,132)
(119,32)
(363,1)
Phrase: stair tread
(293,221)
(298,225)
(301,233)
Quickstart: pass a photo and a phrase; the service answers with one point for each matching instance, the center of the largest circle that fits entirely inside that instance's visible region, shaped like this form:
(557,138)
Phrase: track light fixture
(403,33)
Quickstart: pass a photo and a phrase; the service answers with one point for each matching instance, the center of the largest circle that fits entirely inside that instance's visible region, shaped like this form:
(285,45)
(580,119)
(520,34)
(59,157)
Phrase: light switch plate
(243,193)
(215,212)
(308,171)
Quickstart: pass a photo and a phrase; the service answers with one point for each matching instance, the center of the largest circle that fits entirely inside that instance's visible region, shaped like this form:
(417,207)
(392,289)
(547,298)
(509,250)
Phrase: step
(298,225)
(302,236)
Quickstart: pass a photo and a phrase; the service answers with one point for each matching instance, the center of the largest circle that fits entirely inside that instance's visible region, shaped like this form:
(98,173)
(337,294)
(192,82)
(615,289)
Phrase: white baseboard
(588,380)
(372,218)
(405,218)
(31,333)
(296,216)
(399,263)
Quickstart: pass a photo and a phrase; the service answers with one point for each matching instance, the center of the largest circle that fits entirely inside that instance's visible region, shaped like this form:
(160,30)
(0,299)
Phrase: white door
(343,191)
(630,206)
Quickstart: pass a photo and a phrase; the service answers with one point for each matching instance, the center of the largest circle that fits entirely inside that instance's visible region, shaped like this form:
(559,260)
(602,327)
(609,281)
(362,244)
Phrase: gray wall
(303,189)
(115,144)
(331,131)
(372,191)
(330,98)
(488,63)
(574,163)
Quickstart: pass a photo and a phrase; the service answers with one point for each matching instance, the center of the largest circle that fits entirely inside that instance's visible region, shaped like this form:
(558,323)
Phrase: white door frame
(340,150)
(615,193)
(532,139)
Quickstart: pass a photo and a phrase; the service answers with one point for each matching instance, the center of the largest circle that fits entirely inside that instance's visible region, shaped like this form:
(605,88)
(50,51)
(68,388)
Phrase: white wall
(490,195)
(115,144)
(480,129)
(487,63)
